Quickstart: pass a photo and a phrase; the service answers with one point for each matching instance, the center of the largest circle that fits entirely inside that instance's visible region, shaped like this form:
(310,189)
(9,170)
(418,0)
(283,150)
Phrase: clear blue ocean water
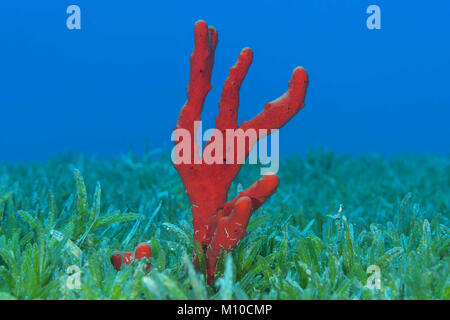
(120,80)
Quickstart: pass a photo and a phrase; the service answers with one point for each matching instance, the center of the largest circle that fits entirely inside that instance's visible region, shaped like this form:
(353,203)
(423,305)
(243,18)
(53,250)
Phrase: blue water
(121,79)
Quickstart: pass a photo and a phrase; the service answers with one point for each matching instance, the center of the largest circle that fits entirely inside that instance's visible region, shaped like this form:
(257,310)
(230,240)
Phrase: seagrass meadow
(300,244)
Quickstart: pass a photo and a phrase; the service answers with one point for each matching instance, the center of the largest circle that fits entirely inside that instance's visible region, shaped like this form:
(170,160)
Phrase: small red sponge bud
(143,250)
(116,259)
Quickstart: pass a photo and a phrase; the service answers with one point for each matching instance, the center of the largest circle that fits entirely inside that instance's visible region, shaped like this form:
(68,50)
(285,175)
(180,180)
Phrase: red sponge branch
(220,225)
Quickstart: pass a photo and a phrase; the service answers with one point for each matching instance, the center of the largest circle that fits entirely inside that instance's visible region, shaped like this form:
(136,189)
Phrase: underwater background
(121,79)
(85,170)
